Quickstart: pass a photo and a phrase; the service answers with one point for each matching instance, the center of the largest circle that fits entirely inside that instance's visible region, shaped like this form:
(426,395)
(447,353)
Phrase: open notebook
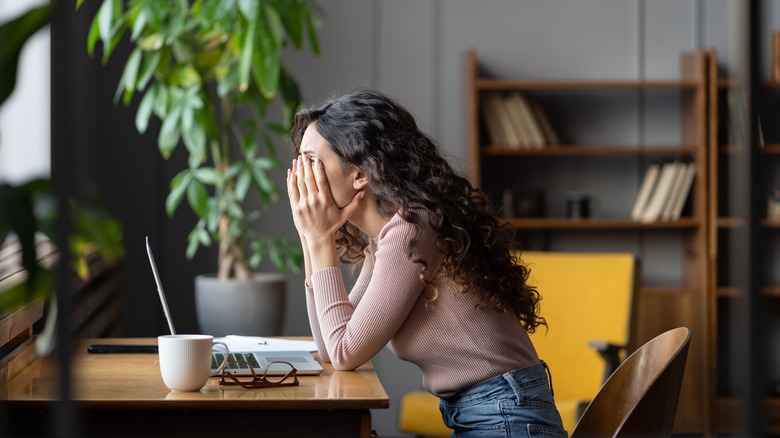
(303,361)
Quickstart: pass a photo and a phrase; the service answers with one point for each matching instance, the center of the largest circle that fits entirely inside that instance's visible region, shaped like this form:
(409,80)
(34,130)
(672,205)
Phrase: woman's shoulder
(417,217)
(399,228)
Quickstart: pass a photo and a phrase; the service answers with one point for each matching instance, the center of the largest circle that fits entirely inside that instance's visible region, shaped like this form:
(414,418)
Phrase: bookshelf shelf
(504,84)
(771,223)
(549,223)
(734,292)
(728,411)
(771,291)
(498,166)
(729,292)
(729,222)
(668,291)
(600,150)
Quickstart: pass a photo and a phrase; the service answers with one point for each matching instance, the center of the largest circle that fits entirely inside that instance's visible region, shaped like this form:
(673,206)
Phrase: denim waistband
(518,379)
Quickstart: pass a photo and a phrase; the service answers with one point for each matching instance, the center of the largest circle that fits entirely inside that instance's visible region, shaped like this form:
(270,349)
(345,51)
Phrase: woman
(438,284)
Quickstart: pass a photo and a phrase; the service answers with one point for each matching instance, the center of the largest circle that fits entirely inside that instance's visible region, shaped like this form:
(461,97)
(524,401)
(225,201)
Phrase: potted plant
(209,70)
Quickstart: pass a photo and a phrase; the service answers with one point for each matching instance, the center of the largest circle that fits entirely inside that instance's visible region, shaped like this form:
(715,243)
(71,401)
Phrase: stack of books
(665,188)
(516,121)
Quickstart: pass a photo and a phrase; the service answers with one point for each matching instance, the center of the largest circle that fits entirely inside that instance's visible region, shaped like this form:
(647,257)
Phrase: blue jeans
(518,403)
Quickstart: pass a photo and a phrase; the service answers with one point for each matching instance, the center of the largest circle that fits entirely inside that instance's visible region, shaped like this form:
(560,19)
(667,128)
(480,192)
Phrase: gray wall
(413,50)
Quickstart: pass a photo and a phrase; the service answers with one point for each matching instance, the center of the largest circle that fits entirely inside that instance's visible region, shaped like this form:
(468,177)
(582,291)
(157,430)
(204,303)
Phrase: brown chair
(640,398)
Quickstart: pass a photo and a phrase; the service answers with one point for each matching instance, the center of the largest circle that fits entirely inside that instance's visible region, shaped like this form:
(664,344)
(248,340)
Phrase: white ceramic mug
(185,360)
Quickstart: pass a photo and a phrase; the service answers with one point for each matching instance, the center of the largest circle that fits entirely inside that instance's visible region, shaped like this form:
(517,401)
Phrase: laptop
(303,361)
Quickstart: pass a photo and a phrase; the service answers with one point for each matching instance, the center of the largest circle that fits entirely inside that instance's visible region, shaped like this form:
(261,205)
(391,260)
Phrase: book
(683,191)
(661,192)
(519,122)
(645,189)
(510,135)
(522,108)
(548,132)
(494,127)
(677,182)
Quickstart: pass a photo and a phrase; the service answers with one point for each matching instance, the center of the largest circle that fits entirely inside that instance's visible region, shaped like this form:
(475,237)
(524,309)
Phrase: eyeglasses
(255,381)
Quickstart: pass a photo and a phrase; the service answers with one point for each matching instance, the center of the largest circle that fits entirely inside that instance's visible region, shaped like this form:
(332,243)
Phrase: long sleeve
(441,328)
(357,327)
(314,324)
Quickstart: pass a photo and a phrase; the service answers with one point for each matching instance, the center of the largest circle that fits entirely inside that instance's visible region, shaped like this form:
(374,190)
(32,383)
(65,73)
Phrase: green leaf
(195,141)
(208,175)
(268,163)
(276,257)
(105,17)
(192,245)
(198,236)
(266,63)
(264,184)
(170,132)
(144,112)
(139,24)
(198,197)
(312,23)
(119,28)
(243,183)
(212,218)
(228,83)
(130,75)
(151,60)
(269,145)
(245,61)
(160,106)
(179,185)
(293,20)
(187,116)
(234,209)
(234,170)
(275,24)
(248,9)
(291,97)
(215,11)
(94,36)
(152,42)
(203,237)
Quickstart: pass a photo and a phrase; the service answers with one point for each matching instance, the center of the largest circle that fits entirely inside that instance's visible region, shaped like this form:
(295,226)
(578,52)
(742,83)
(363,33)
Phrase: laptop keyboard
(216,360)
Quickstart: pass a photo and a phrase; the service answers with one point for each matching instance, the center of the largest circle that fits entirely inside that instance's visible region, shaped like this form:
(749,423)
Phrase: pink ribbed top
(454,344)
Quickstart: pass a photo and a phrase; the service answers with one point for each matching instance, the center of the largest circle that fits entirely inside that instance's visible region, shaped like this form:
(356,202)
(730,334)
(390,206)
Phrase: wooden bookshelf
(723,294)
(661,307)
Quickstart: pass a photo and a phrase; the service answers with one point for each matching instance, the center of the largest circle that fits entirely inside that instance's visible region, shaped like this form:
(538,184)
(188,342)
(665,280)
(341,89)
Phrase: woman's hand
(315,213)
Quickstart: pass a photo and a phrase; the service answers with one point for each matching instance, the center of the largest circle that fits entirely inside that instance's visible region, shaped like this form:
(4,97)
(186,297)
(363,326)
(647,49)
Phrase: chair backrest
(585,297)
(640,398)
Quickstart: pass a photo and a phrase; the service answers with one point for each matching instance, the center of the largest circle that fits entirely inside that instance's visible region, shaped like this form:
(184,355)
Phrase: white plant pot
(252,307)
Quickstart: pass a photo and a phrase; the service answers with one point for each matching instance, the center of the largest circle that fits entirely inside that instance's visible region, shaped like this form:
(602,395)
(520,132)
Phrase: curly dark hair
(406,171)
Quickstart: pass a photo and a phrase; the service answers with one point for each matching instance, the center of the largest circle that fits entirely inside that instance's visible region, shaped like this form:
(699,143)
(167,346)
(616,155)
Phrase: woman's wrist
(322,253)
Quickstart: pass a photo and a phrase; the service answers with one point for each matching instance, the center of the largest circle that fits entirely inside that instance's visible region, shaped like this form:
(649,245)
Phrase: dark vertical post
(61,420)
(757,302)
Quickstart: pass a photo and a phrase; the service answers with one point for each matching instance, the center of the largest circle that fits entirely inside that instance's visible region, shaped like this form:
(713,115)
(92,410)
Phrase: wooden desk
(124,395)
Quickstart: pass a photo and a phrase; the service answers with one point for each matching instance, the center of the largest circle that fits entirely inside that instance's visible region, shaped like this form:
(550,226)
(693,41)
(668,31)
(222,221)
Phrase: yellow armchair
(588,300)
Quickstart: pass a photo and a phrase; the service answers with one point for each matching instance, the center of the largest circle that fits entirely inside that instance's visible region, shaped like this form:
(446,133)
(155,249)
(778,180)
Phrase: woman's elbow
(343,364)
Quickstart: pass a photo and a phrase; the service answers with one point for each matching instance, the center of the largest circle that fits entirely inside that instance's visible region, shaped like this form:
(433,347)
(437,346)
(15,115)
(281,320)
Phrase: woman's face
(343,182)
